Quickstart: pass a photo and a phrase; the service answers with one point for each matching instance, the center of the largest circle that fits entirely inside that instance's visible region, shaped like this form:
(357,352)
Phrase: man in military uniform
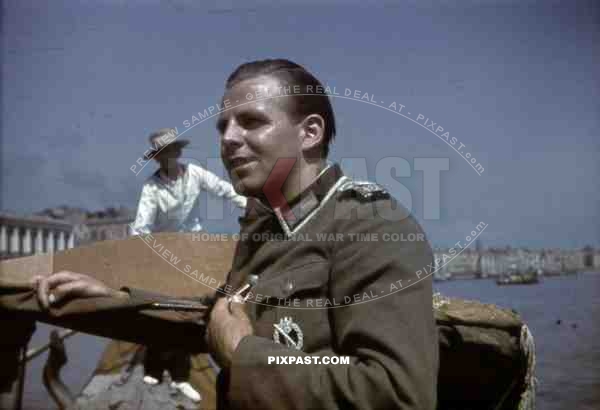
(316,287)
(304,284)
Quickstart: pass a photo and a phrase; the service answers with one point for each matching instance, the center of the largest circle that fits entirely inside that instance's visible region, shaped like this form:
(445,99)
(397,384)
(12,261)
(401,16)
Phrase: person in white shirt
(169,195)
(166,203)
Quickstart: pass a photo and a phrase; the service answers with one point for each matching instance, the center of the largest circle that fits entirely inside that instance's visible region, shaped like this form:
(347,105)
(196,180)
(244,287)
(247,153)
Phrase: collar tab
(302,206)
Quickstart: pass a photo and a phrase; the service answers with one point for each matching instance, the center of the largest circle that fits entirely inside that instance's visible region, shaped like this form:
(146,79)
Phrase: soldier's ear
(312,132)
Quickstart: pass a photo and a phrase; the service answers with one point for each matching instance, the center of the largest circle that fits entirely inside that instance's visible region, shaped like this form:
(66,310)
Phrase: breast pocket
(298,304)
(303,279)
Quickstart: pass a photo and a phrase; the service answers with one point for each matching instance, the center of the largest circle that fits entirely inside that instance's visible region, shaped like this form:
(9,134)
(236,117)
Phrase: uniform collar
(304,205)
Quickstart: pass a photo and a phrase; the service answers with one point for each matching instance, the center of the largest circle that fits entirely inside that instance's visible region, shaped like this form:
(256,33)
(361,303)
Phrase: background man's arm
(146,212)
(219,187)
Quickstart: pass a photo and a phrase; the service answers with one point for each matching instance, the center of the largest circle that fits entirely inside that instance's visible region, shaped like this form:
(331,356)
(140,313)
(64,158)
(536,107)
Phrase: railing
(22,236)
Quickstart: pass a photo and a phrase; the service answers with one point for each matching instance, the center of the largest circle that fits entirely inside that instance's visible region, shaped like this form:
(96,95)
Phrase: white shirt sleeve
(146,211)
(212,183)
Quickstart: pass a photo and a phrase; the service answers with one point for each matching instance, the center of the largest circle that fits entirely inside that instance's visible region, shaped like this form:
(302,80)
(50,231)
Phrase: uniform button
(252,280)
(289,285)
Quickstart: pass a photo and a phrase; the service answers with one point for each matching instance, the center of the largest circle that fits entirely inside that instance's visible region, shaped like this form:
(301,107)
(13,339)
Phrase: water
(568,355)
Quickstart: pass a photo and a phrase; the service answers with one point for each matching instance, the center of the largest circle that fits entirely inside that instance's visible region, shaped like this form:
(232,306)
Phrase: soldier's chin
(248,186)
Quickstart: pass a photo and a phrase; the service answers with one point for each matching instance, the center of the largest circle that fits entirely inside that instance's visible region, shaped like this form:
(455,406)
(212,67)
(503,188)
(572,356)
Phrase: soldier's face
(255,134)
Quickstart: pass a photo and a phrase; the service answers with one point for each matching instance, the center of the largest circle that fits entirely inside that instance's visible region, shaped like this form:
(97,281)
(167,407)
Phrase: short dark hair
(290,73)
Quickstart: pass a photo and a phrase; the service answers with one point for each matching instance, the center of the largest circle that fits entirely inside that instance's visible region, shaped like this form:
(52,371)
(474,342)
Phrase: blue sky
(83,82)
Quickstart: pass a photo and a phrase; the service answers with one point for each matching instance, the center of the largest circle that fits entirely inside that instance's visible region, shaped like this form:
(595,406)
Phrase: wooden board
(176,264)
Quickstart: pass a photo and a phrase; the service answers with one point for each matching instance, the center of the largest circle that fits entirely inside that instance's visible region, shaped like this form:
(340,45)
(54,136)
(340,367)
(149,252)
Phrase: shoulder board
(364,190)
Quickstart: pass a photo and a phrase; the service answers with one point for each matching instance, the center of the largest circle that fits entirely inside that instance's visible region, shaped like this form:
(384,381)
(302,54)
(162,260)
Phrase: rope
(527,401)
(35,352)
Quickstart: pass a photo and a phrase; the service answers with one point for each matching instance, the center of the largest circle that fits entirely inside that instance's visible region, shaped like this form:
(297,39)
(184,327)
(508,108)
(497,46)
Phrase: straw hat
(163,137)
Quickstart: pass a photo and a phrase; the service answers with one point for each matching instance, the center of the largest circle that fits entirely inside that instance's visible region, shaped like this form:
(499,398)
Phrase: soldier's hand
(61,286)
(227,326)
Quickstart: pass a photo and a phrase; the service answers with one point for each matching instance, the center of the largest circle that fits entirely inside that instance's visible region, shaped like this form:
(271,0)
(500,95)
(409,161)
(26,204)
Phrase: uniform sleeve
(146,212)
(219,187)
(391,340)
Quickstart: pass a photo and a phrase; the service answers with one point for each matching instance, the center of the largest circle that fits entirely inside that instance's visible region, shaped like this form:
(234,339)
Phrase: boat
(487,354)
(517,278)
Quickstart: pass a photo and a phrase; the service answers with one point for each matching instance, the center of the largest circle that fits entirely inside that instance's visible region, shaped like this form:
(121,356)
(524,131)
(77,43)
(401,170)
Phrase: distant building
(493,261)
(92,226)
(102,228)
(26,235)
(496,261)
(60,228)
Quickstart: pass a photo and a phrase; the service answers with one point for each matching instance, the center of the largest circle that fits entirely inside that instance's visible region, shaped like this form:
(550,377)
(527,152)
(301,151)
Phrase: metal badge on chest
(290,332)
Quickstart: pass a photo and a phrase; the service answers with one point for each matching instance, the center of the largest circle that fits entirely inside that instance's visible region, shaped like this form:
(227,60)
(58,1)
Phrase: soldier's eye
(251,122)
(221,126)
